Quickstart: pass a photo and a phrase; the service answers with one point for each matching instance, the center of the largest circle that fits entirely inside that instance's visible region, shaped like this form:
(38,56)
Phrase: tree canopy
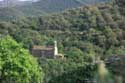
(16,64)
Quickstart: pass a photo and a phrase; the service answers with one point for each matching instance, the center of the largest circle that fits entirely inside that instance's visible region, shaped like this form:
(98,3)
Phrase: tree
(16,64)
(75,53)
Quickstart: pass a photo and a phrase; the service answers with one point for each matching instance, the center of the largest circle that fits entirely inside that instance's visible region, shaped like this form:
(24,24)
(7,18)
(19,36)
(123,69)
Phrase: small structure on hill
(46,51)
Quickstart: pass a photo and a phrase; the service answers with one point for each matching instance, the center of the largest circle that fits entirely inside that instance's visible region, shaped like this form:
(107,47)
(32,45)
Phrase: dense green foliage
(93,30)
(117,66)
(67,71)
(82,34)
(16,64)
(121,4)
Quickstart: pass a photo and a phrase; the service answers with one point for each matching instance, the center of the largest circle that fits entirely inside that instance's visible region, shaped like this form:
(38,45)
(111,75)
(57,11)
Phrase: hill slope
(44,7)
(82,34)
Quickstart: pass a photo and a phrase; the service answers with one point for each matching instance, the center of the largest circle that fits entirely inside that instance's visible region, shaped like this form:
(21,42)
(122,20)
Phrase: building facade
(46,51)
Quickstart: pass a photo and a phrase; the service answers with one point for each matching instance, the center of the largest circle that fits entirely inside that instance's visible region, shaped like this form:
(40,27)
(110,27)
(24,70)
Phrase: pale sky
(28,0)
(24,0)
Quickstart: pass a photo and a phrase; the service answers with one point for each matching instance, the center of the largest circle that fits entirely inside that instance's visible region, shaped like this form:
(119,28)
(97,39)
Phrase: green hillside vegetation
(42,7)
(82,34)
(121,5)
(117,67)
(7,14)
(101,26)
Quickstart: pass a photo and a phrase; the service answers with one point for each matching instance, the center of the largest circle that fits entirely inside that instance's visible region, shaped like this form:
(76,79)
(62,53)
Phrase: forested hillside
(42,7)
(87,23)
(121,5)
(83,34)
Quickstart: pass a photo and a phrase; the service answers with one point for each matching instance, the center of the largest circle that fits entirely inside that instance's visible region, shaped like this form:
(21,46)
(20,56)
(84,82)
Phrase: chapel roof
(36,47)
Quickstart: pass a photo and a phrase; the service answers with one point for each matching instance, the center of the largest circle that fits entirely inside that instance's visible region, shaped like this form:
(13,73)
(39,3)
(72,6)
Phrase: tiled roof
(36,47)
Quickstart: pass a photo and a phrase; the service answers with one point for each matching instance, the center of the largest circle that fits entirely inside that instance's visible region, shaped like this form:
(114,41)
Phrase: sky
(23,0)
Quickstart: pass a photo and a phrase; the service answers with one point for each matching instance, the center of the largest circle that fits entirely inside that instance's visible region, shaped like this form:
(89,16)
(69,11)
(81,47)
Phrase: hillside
(43,7)
(121,5)
(59,5)
(7,14)
(86,23)
(83,35)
